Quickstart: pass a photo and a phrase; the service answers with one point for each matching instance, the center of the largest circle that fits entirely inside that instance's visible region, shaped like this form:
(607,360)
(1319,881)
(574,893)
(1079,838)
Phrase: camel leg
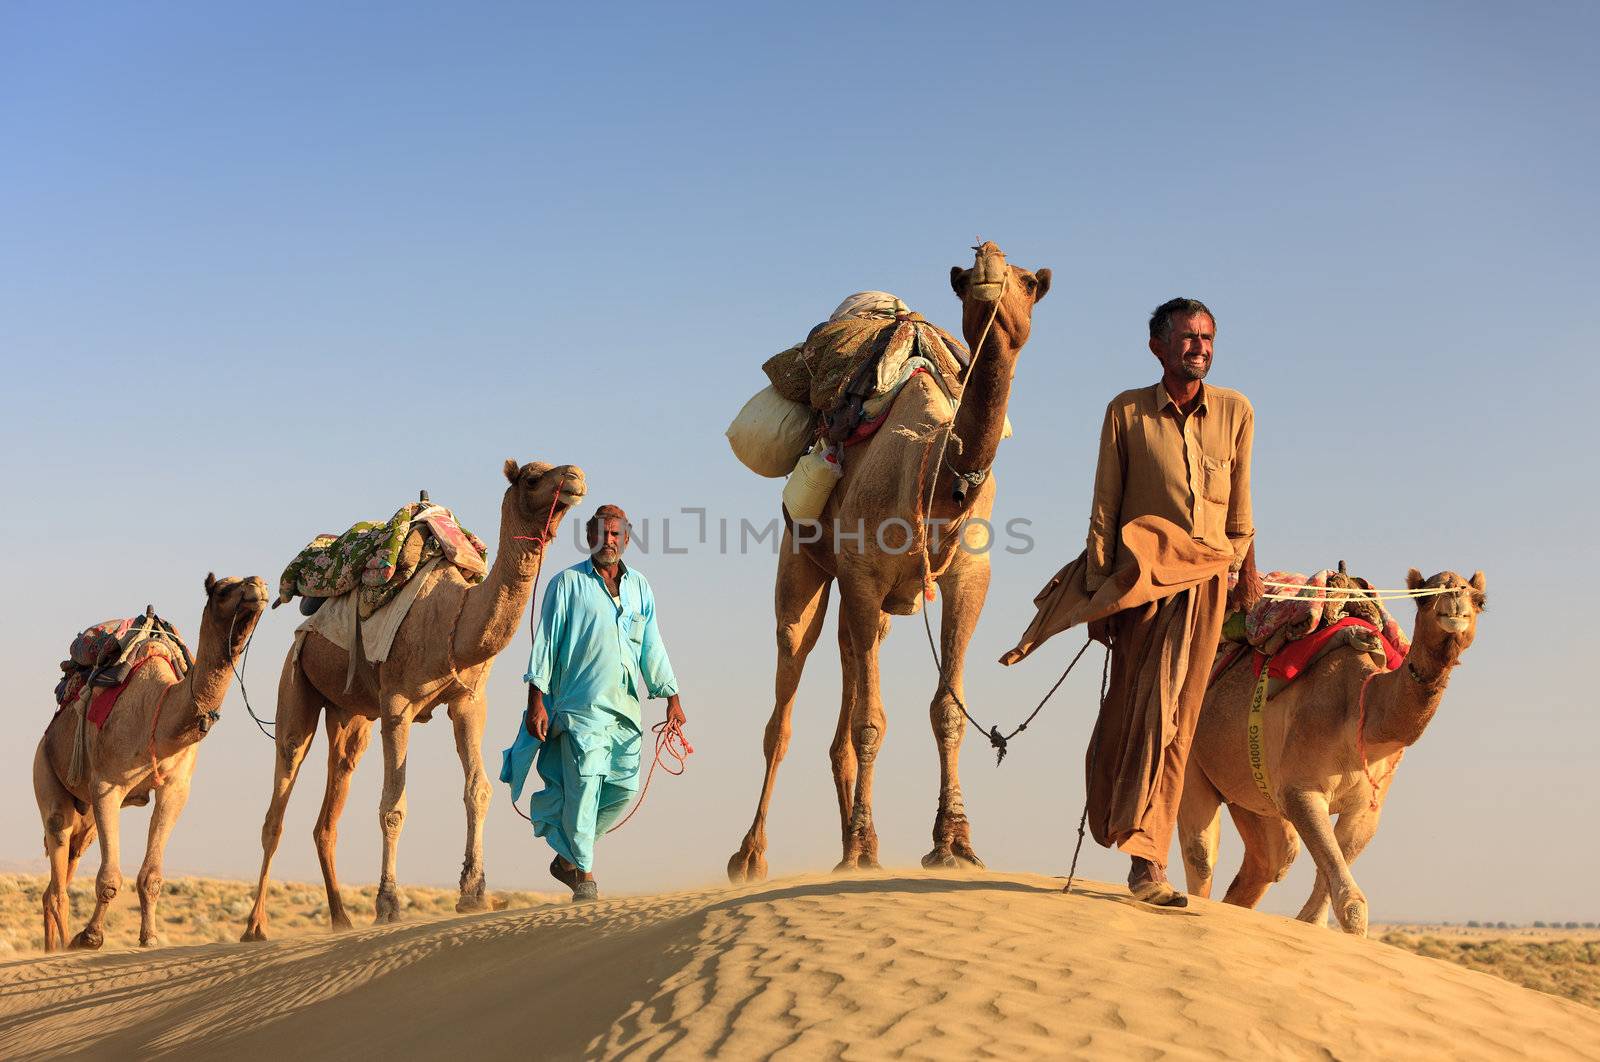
(963,588)
(1199,830)
(868,627)
(1308,811)
(61,823)
(1270,846)
(298,705)
(467,717)
(347,740)
(169,804)
(108,882)
(842,754)
(54,901)
(1353,831)
(801,603)
(392,809)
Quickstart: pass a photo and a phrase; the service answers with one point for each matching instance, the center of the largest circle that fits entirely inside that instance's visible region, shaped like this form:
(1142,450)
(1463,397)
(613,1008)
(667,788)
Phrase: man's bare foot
(1148,883)
(586,891)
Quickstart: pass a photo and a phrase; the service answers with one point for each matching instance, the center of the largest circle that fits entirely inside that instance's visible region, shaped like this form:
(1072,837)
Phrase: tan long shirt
(1192,470)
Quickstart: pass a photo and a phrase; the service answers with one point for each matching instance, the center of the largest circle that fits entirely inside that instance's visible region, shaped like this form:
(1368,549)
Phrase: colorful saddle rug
(104,658)
(1290,635)
(377,558)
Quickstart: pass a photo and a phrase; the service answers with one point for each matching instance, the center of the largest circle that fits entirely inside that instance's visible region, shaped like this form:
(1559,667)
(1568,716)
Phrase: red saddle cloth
(105,700)
(1296,656)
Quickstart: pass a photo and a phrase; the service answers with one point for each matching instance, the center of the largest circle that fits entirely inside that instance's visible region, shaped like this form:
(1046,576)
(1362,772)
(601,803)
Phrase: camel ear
(1414,579)
(512,468)
(1479,598)
(1043,277)
(211,582)
(958,281)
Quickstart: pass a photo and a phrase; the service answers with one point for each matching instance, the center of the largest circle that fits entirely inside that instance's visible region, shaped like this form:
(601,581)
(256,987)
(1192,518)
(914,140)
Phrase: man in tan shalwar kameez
(1169,529)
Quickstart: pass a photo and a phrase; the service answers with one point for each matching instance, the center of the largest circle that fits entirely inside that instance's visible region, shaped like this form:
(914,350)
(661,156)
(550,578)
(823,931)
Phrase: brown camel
(1313,743)
(870,540)
(441,655)
(146,748)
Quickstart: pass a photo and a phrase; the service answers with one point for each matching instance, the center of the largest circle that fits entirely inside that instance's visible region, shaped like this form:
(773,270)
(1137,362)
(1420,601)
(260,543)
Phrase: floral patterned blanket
(376,558)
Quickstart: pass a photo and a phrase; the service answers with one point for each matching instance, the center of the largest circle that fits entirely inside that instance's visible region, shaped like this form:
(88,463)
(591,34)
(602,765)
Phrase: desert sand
(891,963)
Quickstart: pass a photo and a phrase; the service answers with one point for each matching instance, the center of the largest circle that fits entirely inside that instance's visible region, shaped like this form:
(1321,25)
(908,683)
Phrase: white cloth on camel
(336,619)
(869,304)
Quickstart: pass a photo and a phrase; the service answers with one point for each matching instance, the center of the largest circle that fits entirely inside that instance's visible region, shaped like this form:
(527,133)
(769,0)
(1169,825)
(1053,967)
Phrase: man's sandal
(1158,894)
(564,872)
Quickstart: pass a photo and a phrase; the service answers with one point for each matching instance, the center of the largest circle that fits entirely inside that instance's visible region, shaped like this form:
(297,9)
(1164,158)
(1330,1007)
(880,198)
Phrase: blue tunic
(592,656)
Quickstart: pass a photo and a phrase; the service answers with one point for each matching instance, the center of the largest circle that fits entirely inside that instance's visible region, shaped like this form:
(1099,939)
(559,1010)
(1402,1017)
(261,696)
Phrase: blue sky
(265,272)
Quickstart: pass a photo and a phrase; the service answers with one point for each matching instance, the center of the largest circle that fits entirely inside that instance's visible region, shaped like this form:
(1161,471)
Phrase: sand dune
(930,966)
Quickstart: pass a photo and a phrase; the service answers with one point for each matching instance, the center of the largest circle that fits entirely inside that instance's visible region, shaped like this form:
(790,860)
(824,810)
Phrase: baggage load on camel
(770,433)
(107,654)
(863,357)
(1329,610)
(811,484)
(845,374)
(375,559)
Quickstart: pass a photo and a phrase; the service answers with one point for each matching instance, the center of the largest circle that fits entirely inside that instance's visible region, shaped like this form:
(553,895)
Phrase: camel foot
(747,865)
(338,921)
(88,940)
(956,856)
(388,905)
(1353,916)
(472,898)
(853,863)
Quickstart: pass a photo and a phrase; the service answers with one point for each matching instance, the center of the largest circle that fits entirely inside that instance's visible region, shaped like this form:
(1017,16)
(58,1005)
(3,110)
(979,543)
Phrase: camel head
(1447,622)
(541,493)
(233,607)
(991,280)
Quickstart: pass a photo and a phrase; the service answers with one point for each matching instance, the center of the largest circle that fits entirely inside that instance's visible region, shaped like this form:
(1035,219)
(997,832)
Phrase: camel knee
(390,821)
(149,885)
(866,740)
(477,794)
(324,835)
(775,742)
(57,823)
(949,723)
(107,884)
(1198,856)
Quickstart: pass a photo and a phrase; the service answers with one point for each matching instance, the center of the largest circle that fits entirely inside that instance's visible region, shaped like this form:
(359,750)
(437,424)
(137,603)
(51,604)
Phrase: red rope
(1361,738)
(671,742)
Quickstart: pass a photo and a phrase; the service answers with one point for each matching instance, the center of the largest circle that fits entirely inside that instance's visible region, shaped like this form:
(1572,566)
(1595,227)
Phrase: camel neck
(492,610)
(191,706)
(1401,703)
(980,420)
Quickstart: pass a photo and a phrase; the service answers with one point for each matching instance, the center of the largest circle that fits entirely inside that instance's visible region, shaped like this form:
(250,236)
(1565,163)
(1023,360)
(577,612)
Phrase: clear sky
(266,270)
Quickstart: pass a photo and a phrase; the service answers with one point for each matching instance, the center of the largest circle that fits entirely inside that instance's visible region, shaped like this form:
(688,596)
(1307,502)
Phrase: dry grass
(206,910)
(1566,966)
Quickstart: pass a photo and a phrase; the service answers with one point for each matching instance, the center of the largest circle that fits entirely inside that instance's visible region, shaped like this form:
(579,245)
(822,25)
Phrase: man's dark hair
(591,526)
(1161,319)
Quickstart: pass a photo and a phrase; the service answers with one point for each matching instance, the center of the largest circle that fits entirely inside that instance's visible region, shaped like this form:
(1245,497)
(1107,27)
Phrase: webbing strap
(1256,737)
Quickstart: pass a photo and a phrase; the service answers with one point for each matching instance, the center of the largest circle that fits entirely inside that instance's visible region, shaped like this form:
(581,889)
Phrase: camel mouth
(987,291)
(1453,624)
(569,497)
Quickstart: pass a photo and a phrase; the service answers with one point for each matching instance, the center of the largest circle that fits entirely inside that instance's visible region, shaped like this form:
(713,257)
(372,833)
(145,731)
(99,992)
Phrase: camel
(441,655)
(147,748)
(1321,771)
(870,540)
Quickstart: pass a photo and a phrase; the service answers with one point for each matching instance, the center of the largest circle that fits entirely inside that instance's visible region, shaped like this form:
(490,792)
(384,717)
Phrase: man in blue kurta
(597,649)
